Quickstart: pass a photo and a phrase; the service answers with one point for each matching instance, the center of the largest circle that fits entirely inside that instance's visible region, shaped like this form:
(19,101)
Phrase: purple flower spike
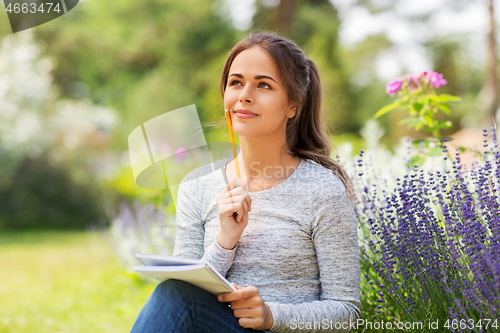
(431,242)
(180,153)
(394,86)
(437,80)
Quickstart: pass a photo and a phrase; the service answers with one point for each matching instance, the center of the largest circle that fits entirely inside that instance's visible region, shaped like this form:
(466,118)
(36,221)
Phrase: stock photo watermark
(26,14)
(325,324)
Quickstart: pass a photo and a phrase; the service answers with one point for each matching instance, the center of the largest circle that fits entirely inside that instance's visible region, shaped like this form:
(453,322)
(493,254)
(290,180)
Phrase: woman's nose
(245,95)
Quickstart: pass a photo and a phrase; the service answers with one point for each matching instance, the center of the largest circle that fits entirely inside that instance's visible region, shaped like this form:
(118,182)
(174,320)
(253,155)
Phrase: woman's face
(254,85)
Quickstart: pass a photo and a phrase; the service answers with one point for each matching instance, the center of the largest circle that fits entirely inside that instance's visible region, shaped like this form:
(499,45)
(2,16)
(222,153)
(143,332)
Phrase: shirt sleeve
(190,229)
(334,234)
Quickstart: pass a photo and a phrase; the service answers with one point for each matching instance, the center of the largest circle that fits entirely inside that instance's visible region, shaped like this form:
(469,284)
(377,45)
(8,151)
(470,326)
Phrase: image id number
(32,8)
(470,324)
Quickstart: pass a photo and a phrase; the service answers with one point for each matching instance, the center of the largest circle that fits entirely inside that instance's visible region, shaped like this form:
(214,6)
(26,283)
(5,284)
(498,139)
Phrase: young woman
(291,248)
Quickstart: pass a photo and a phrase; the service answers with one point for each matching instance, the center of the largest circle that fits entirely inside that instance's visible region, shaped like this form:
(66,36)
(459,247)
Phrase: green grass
(54,281)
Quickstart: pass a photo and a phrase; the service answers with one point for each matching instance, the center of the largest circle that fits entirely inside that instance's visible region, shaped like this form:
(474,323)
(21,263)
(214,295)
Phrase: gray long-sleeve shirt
(299,248)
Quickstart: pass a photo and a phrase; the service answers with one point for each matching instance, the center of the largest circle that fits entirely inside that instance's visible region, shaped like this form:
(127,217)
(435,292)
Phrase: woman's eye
(261,84)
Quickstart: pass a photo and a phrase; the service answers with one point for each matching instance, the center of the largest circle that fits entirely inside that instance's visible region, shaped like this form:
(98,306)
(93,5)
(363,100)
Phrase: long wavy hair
(306,132)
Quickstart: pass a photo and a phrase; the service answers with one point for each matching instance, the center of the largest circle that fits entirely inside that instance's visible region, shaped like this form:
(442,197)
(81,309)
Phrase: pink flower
(415,79)
(437,80)
(412,81)
(394,86)
(180,153)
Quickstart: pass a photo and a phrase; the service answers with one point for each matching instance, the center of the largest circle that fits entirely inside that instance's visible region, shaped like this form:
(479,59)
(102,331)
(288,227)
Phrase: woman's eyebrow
(257,77)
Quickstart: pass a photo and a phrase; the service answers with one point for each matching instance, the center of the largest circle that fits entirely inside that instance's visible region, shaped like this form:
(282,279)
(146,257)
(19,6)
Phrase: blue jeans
(177,306)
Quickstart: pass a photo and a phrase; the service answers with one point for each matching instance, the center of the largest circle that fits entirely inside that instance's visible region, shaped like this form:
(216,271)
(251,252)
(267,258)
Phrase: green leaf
(420,143)
(424,100)
(436,151)
(444,108)
(444,124)
(417,160)
(386,109)
(428,119)
(434,98)
(417,106)
(445,98)
(412,121)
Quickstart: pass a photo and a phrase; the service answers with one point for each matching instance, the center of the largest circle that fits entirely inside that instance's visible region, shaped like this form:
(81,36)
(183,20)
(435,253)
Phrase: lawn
(55,281)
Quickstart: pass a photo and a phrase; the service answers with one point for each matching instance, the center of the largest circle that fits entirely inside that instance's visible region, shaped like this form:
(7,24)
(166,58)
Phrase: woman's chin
(247,133)
(243,134)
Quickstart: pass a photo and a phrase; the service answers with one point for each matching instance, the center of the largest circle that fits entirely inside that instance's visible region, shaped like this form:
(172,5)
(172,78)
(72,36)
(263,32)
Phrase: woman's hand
(249,307)
(234,199)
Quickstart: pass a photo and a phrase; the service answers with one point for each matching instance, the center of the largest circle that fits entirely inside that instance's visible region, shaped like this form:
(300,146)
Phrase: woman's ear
(293,110)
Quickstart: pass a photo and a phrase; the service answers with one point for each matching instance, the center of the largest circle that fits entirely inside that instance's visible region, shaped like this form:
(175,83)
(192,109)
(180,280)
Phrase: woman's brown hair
(306,133)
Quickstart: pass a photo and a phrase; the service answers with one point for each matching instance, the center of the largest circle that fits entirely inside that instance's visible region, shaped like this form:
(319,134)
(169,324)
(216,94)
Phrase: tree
(314,26)
(143,58)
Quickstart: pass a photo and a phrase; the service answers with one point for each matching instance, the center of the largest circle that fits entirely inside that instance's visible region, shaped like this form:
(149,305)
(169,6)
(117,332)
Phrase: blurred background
(73,89)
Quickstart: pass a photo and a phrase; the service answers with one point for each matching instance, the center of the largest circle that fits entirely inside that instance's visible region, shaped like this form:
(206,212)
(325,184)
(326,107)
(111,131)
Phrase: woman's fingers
(245,303)
(239,183)
(230,198)
(248,312)
(237,287)
(235,182)
(240,208)
(244,214)
(249,307)
(229,209)
(233,212)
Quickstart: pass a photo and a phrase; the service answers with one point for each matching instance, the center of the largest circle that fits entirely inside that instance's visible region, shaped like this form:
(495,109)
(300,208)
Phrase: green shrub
(41,195)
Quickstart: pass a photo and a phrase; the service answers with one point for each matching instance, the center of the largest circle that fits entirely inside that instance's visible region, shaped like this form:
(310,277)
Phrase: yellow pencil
(228,118)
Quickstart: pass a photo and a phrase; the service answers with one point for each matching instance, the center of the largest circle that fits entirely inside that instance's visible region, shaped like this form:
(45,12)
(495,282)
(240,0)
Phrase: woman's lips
(245,115)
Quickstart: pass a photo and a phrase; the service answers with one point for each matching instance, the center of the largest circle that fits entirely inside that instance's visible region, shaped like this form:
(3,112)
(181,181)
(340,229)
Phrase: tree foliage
(143,58)
(146,58)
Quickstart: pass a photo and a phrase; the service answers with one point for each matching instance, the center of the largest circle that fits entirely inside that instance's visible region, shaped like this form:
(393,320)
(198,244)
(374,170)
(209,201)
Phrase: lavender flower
(142,228)
(431,241)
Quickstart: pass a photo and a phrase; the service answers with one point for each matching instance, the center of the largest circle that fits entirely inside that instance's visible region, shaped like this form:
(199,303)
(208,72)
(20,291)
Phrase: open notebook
(195,272)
